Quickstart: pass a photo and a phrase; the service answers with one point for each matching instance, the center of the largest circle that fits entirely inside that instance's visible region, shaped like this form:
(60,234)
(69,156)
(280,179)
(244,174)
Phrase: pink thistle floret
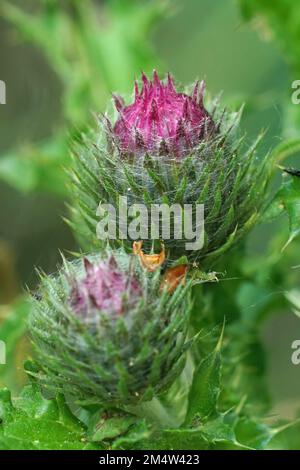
(105,288)
(161,120)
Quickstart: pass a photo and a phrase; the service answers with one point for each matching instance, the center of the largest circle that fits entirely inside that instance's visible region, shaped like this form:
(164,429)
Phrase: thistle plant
(107,332)
(169,148)
(112,331)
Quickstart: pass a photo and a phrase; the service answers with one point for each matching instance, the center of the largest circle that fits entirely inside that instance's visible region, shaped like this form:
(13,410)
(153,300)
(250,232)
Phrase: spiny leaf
(286,437)
(109,427)
(33,422)
(137,433)
(205,388)
(253,434)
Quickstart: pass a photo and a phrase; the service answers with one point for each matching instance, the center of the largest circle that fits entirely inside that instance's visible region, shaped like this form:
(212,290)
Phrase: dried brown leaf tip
(149,262)
(174,277)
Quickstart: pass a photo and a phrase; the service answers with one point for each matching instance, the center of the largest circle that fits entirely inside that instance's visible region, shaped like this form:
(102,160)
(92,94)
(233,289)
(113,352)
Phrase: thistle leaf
(205,388)
(32,422)
(111,427)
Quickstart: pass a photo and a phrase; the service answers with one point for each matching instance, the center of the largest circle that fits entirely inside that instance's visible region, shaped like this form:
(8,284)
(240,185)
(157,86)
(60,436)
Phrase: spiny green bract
(220,171)
(110,358)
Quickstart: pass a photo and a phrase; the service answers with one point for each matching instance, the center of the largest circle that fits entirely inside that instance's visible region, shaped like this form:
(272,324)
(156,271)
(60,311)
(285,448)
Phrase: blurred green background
(62,59)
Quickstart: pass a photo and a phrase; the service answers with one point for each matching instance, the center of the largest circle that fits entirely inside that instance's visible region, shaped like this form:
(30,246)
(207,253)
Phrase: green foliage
(94,50)
(279,18)
(288,199)
(110,428)
(12,329)
(286,437)
(294,298)
(205,427)
(33,422)
(205,388)
(37,168)
(285,149)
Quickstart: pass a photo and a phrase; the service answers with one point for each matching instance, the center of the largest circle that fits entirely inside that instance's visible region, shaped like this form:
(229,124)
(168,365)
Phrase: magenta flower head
(105,287)
(162,120)
(105,332)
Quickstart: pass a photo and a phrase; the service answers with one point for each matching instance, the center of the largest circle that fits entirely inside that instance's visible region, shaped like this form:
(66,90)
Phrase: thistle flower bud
(167,148)
(105,333)
(161,120)
(104,288)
